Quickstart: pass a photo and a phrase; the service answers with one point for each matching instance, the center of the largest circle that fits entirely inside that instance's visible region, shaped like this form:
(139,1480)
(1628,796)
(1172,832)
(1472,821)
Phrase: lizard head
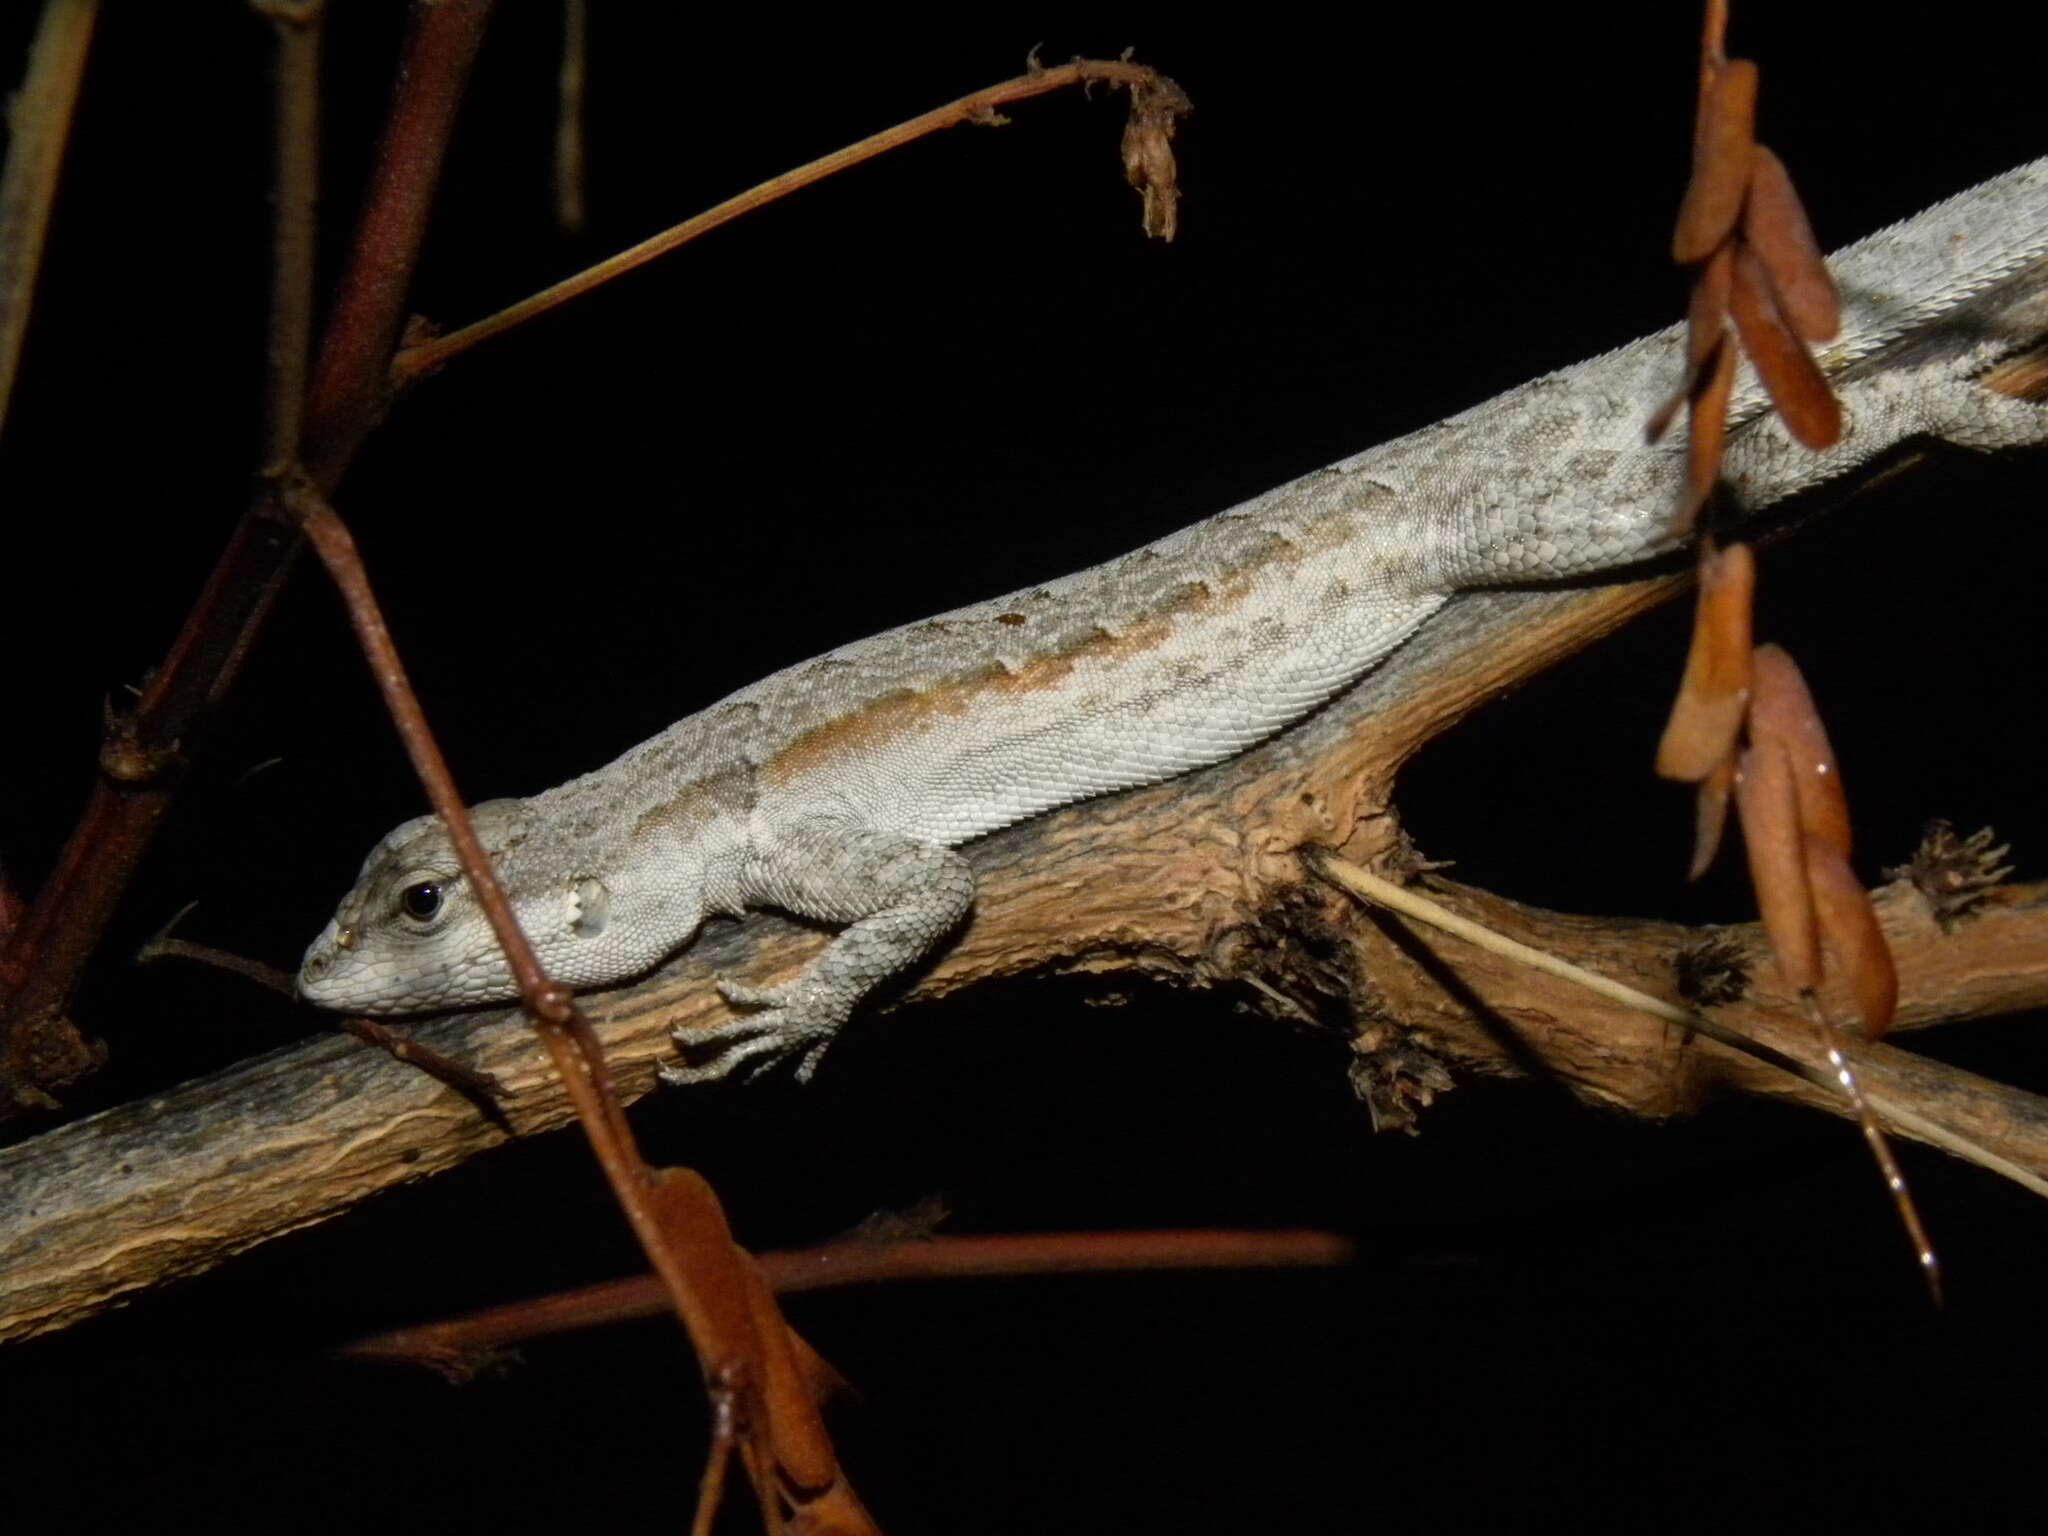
(410,936)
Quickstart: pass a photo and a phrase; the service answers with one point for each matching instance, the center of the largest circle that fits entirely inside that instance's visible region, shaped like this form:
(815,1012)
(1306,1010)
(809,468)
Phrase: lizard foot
(793,1019)
(1971,416)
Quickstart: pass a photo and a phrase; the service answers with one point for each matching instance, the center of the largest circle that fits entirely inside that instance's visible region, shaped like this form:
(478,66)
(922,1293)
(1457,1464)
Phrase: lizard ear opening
(590,907)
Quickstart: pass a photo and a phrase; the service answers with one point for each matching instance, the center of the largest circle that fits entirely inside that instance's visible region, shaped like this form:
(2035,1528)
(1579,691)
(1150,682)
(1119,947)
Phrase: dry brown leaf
(1769,807)
(1714,692)
(1157,106)
(1720,164)
(1775,226)
(1849,924)
(1781,709)
(1801,394)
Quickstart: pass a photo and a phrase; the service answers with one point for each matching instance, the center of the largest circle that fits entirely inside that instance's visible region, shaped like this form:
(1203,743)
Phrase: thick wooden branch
(1193,882)
(1196,882)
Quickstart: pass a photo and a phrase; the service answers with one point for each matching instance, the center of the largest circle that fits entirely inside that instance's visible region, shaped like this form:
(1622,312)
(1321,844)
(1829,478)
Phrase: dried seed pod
(1812,413)
(1706,328)
(1769,807)
(1781,709)
(1849,924)
(1714,692)
(1774,225)
(1706,317)
(1710,816)
(1707,434)
(1720,163)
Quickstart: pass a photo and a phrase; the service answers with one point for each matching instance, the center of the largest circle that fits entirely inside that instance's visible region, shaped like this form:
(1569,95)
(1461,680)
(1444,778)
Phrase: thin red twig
(673,1212)
(140,762)
(349,393)
(460,1344)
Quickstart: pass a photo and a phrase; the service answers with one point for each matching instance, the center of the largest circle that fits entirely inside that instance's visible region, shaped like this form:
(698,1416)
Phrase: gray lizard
(841,788)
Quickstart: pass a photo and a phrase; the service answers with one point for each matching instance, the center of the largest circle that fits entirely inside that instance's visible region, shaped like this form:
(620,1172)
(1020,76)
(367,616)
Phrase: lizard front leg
(899,896)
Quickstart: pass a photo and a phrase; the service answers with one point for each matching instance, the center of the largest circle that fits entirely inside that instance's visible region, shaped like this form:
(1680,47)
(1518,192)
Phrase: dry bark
(1195,881)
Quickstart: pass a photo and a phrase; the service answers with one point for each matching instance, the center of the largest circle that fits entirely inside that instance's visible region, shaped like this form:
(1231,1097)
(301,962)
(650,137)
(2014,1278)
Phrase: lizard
(842,788)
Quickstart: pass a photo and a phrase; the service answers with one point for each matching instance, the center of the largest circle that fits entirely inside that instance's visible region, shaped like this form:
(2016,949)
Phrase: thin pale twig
(1880,1147)
(1367,886)
(38,124)
(415,362)
(570,210)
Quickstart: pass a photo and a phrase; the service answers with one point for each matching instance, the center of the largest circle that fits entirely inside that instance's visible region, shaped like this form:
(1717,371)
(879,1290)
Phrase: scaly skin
(838,789)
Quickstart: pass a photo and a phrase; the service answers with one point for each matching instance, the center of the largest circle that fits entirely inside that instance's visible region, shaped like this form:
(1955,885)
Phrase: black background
(946,375)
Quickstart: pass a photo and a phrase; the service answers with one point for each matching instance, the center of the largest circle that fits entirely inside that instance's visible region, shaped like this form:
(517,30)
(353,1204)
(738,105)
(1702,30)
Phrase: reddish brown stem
(575,1051)
(349,393)
(141,759)
(480,1088)
(296,144)
(459,1345)
(673,1212)
(1714,34)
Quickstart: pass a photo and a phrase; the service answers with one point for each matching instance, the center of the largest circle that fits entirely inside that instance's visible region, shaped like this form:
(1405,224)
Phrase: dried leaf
(1769,807)
(1849,924)
(1713,693)
(1801,394)
(1710,816)
(1774,225)
(1720,163)
(1157,106)
(1781,709)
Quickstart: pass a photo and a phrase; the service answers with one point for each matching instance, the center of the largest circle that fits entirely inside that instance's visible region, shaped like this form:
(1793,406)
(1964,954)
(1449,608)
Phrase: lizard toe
(738,1048)
(783,1021)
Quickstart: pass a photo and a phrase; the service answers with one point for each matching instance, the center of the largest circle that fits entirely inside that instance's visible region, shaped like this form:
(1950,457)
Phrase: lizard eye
(421,901)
